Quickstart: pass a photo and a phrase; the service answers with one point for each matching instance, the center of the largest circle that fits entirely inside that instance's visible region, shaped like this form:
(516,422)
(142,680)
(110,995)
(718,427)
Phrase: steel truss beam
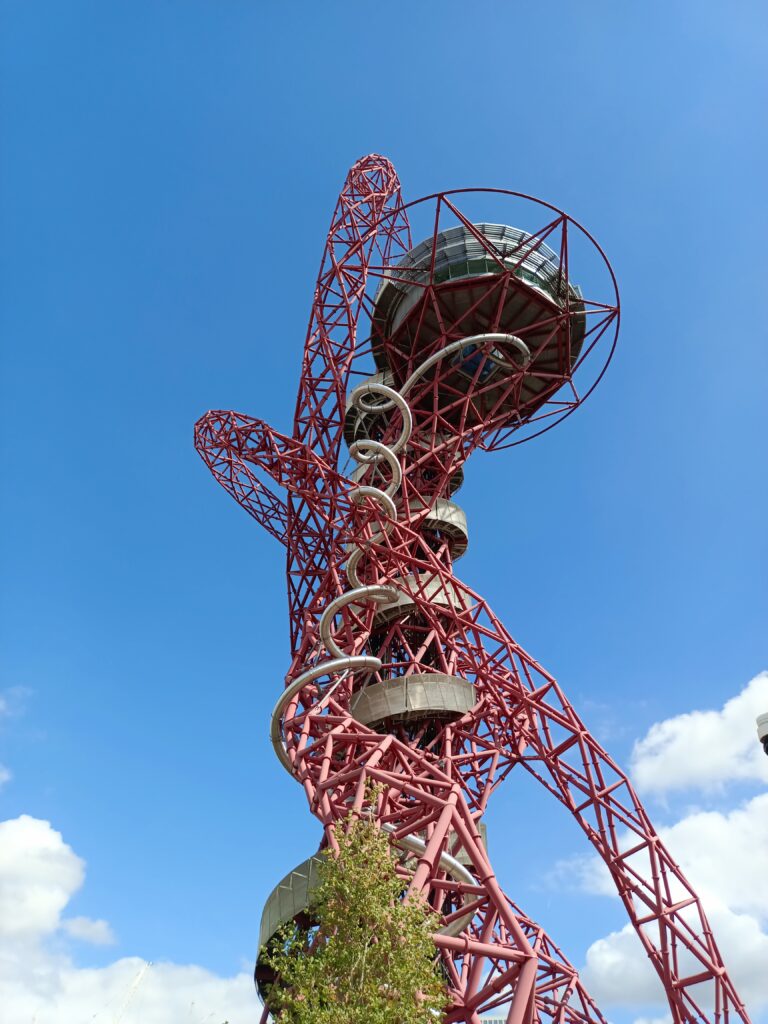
(435,776)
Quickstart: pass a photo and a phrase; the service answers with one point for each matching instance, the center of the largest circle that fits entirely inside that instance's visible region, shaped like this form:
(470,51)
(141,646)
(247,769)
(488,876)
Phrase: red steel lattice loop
(401,674)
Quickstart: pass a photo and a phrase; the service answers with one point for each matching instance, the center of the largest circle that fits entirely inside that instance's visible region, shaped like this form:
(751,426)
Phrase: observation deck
(491,278)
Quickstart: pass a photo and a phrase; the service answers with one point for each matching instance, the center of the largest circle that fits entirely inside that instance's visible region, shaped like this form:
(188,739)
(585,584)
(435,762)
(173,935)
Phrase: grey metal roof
(459,254)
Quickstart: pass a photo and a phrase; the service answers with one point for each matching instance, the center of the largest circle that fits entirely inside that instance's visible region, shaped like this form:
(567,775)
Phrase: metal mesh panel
(410,698)
(289,898)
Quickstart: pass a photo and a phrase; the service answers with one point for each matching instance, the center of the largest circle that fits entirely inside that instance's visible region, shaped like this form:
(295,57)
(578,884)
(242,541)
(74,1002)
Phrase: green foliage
(371,958)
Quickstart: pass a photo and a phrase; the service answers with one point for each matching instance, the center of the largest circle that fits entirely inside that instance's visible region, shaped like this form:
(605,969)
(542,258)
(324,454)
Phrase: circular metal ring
(370,453)
(393,399)
(378,594)
(358,494)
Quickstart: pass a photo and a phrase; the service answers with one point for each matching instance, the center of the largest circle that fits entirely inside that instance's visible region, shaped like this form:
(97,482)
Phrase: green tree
(370,958)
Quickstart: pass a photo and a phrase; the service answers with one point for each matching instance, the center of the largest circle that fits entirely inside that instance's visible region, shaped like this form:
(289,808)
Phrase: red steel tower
(401,674)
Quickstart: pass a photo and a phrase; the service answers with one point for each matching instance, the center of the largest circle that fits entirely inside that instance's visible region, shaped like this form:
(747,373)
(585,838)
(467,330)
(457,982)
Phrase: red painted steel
(436,774)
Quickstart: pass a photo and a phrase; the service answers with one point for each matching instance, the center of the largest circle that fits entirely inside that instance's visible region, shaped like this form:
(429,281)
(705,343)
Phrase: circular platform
(470,282)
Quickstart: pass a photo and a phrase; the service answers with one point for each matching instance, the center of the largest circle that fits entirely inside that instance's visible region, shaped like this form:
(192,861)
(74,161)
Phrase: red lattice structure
(401,674)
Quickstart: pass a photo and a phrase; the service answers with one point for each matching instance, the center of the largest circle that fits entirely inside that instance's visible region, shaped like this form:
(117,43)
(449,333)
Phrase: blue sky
(167,175)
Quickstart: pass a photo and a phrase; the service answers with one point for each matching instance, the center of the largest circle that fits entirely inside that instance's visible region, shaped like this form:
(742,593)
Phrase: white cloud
(724,856)
(130,991)
(87,930)
(705,750)
(5,775)
(618,973)
(723,853)
(39,874)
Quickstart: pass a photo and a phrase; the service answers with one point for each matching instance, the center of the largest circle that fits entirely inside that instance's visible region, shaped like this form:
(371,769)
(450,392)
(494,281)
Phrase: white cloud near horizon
(618,973)
(723,852)
(725,857)
(705,750)
(41,984)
